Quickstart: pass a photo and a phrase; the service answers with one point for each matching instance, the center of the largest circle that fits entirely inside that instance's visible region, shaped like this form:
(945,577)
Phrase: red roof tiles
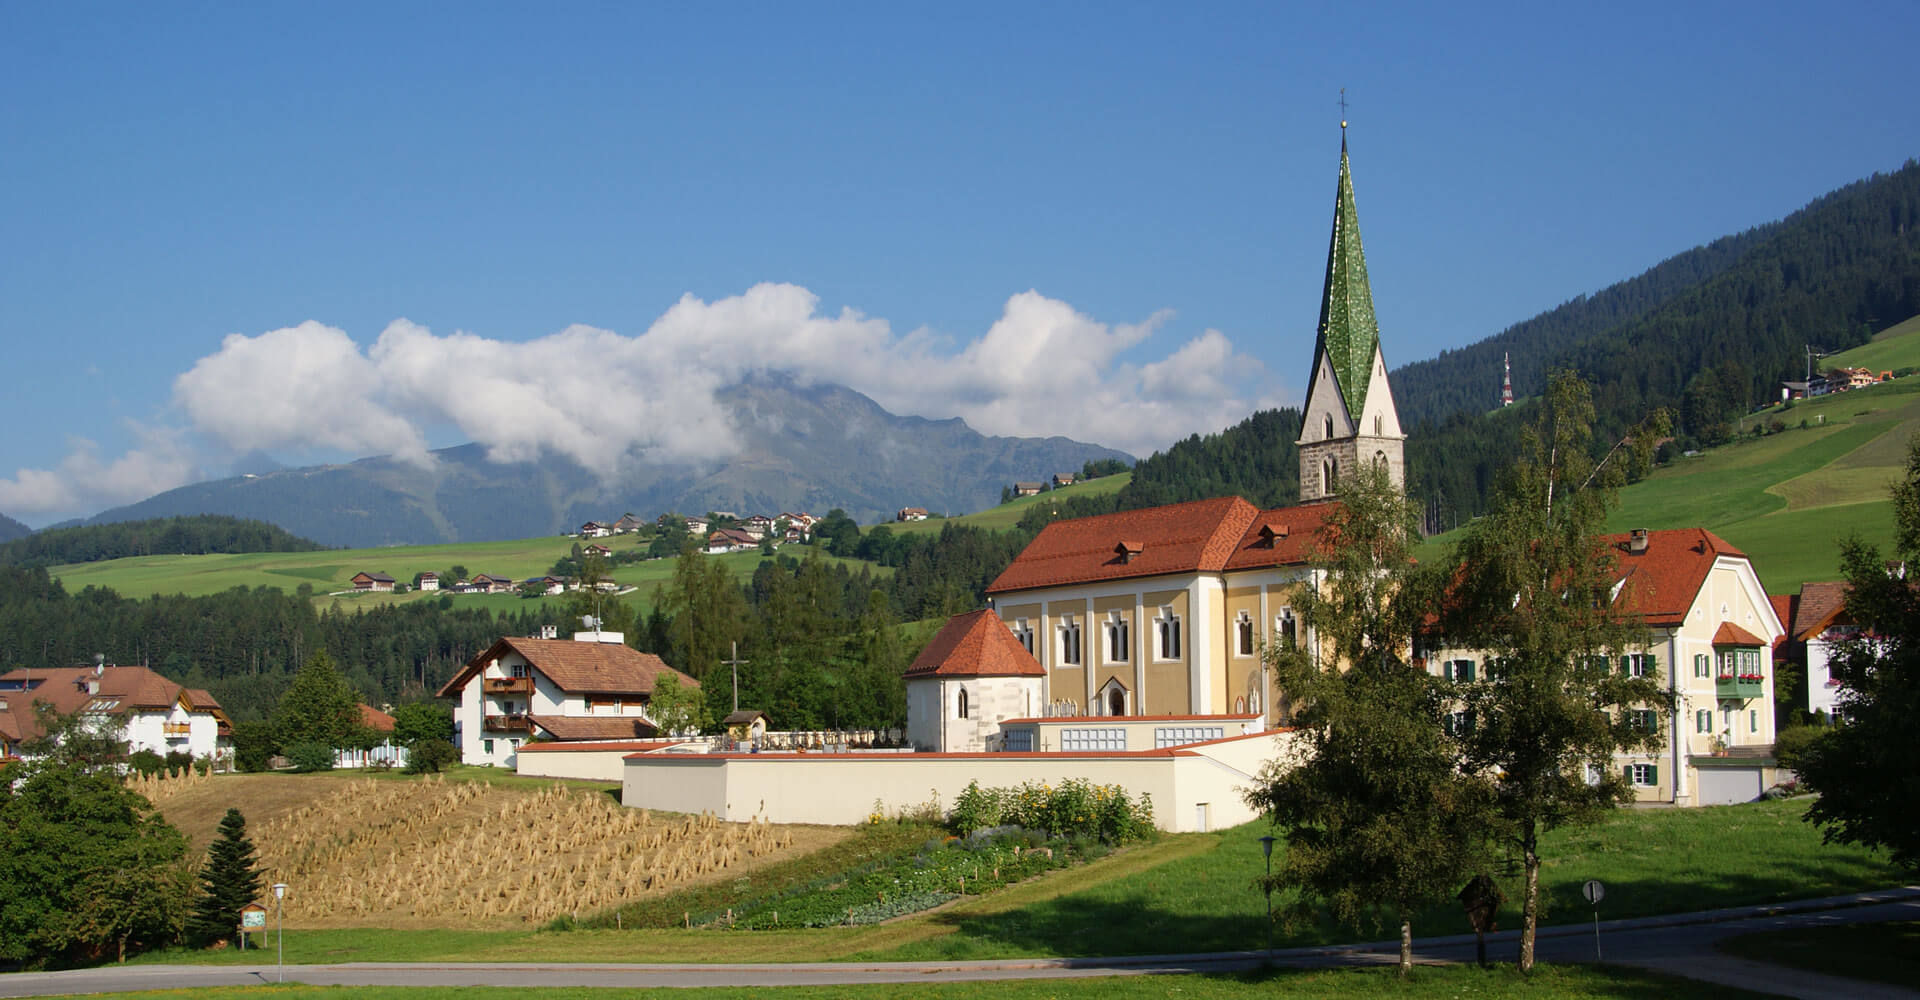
(1733,635)
(1207,536)
(976,644)
(576,667)
(1821,604)
(1662,581)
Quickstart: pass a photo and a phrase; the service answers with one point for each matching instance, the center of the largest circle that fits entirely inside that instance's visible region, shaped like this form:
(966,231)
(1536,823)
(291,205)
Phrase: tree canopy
(1867,771)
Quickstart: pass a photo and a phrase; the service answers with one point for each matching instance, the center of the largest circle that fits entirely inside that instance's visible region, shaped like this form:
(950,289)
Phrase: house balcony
(1740,686)
(176,730)
(508,724)
(507,685)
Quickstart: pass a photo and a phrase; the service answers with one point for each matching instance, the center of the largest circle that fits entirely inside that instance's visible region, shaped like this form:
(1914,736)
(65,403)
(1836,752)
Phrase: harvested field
(427,852)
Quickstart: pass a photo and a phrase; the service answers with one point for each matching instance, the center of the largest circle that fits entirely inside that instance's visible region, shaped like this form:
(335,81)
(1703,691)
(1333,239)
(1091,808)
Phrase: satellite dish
(589,622)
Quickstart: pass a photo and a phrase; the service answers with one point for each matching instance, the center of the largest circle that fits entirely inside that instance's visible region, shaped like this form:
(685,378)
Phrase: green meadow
(331,572)
(1896,347)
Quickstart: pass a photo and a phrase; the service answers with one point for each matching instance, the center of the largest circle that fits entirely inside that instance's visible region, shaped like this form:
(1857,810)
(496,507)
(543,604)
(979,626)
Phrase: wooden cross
(736,663)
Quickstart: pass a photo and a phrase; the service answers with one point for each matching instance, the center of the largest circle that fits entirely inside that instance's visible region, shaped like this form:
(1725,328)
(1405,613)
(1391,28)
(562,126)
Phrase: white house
(1711,630)
(156,714)
(385,754)
(591,687)
(1820,620)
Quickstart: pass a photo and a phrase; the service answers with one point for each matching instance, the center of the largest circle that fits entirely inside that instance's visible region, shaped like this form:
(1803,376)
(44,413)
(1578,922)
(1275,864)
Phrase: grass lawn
(1200,896)
(1568,982)
(1885,953)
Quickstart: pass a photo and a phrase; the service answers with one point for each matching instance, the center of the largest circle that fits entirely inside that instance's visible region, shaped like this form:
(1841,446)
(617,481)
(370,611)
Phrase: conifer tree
(1533,585)
(228,881)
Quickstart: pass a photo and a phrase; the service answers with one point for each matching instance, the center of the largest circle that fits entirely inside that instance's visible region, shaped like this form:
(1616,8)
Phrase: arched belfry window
(1328,470)
(962,713)
(1327,427)
(1380,459)
(1377,425)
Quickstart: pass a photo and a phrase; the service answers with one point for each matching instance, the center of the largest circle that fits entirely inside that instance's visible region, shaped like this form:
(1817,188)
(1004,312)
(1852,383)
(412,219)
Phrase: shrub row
(1071,809)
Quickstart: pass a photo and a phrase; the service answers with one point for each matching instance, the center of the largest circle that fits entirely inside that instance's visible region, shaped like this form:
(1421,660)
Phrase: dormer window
(1128,550)
(1269,533)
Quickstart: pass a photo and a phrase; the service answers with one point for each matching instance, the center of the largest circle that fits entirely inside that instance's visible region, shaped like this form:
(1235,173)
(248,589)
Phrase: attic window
(1271,532)
(1127,550)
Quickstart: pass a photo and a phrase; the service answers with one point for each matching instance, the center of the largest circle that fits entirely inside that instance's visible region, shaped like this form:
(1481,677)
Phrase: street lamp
(280,923)
(1266,848)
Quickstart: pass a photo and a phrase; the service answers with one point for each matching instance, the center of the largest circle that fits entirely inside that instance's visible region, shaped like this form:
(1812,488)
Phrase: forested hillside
(198,534)
(1467,379)
(1829,276)
(11,529)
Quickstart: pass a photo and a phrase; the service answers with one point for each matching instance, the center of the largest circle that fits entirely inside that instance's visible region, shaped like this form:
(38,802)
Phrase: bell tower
(1350,416)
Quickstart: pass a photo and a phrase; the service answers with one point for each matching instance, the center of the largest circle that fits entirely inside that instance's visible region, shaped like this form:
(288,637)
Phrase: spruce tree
(230,880)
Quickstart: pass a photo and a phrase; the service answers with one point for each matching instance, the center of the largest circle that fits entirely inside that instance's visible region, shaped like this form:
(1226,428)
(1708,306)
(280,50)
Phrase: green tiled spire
(1348,333)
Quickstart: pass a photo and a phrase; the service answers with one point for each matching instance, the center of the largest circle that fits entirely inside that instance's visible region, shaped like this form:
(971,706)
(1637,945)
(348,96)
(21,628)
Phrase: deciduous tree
(1533,585)
(319,707)
(1379,818)
(1867,771)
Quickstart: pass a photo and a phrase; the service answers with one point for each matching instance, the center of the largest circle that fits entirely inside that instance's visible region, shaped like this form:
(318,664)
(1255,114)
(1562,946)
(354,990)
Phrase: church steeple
(1349,416)
(1348,335)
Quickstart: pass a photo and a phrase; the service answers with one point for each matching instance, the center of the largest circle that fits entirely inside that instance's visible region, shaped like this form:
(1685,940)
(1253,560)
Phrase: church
(1162,612)
(1121,649)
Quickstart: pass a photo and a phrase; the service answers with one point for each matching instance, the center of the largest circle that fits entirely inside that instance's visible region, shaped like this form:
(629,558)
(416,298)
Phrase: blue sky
(323,231)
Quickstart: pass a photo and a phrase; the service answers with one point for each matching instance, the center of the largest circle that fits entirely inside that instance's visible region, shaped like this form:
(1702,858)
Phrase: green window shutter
(1653,774)
(1653,664)
(1466,670)
(1629,771)
(1626,664)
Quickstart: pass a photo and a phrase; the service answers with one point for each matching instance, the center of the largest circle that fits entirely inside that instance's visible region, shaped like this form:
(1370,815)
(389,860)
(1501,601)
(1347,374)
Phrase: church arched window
(1328,470)
(1327,428)
(1380,459)
(1377,425)
(963,704)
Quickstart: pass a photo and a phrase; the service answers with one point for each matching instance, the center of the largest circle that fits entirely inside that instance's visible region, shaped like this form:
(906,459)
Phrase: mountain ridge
(805,446)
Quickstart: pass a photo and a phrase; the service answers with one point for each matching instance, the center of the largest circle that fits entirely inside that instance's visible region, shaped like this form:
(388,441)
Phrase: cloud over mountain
(609,400)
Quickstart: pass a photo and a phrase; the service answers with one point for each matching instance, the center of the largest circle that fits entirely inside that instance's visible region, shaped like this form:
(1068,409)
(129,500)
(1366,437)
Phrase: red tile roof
(1206,536)
(1821,604)
(576,667)
(1733,635)
(976,644)
(571,728)
(1783,607)
(1662,582)
(65,688)
(374,719)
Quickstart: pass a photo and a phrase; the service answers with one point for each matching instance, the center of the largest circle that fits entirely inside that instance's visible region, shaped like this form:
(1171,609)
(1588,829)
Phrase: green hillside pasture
(1895,347)
(1004,516)
(332,571)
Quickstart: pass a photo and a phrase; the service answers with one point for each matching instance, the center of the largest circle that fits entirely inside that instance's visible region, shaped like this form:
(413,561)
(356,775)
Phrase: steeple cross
(1343,109)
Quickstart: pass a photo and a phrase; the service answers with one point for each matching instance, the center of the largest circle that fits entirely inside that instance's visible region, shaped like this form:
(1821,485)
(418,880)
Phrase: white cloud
(84,481)
(606,399)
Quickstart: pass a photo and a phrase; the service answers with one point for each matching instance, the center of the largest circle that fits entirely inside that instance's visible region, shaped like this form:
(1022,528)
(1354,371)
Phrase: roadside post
(1266,847)
(280,923)
(1595,892)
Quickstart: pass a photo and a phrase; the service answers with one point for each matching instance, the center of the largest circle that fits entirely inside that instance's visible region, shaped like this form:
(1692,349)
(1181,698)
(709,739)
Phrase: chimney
(549,631)
(1637,542)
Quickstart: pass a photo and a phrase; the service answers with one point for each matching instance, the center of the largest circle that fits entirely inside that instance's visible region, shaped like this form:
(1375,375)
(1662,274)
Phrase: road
(1681,944)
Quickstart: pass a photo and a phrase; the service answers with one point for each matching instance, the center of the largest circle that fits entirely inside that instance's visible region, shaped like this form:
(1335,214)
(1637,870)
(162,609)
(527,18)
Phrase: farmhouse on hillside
(591,687)
(377,582)
(153,713)
(385,754)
